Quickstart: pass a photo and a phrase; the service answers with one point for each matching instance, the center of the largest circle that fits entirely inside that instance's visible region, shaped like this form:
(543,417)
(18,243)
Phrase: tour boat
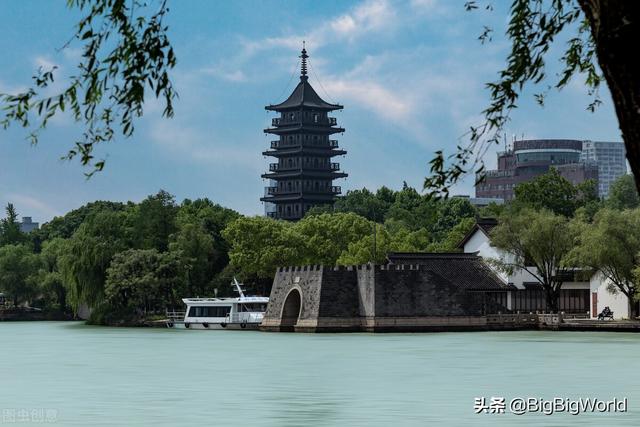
(243,312)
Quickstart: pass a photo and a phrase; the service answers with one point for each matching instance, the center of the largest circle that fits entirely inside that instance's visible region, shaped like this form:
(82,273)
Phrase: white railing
(175,315)
(245,317)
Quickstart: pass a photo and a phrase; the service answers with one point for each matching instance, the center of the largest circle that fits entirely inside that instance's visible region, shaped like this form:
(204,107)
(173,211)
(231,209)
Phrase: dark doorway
(290,311)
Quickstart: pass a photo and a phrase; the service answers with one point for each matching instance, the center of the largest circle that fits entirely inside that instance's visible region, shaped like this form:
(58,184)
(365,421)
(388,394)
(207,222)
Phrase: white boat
(243,312)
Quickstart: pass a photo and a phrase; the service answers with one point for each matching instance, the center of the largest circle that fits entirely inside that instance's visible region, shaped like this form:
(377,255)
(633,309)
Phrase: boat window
(219,311)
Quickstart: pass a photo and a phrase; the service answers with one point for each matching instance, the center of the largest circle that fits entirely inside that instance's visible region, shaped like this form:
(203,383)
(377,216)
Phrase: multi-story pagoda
(303,175)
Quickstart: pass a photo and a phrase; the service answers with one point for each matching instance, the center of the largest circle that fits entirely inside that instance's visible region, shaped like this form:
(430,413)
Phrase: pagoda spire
(304,56)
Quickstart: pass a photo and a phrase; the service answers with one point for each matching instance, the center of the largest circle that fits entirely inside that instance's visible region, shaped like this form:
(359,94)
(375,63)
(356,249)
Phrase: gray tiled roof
(465,270)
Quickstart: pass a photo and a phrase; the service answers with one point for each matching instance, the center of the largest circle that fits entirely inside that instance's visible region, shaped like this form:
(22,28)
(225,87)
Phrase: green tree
(623,194)
(450,241)
(598,33)
(195,247)
(361,251)
(450,213)
(145,280)
(326,236)
(414,210)
(260,245)
(50,278)
(126,54)
(538,242)
(153,221)
(214,218)
(88,254)
(549,191)
(10,233)
(393,237)
(611,246)
(64,226)
(18,265)
(364,203)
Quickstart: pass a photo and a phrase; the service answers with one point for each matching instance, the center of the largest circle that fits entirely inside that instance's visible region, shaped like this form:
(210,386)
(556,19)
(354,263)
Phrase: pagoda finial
(304,56)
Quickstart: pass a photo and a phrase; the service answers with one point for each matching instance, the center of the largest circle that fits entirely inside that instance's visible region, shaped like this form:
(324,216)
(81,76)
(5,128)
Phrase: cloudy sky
(410,74)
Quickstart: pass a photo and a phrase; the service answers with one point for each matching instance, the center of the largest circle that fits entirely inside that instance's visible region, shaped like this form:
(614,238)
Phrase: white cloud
(236,76)
(193,143)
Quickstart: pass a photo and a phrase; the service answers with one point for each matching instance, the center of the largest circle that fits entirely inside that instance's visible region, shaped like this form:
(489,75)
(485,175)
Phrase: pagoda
(302,176)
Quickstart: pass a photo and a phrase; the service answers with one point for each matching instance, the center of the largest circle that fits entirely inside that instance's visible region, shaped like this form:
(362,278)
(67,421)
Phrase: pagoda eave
(280,108)
(291,152)
(311,129)
(296,174)
(299,197)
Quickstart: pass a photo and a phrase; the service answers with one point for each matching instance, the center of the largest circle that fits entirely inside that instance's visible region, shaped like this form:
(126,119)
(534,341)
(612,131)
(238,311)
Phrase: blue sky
(410,74)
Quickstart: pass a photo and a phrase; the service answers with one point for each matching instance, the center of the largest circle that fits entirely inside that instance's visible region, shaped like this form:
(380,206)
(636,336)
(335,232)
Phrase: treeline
(125,261)
(131,261)
(559,233)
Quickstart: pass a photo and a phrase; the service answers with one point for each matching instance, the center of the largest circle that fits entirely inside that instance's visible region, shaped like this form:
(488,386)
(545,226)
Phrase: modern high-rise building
(611,160)
(303,175)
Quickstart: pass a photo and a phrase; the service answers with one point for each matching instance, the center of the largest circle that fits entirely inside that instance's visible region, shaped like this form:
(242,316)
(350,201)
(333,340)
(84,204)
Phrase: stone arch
(291,310)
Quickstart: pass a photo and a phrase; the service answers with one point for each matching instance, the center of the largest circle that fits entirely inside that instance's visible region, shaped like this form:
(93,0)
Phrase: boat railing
(175,315)
(245,317)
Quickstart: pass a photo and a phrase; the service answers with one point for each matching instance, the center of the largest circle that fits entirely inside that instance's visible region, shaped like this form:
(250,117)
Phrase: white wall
(618,303)
(479,242)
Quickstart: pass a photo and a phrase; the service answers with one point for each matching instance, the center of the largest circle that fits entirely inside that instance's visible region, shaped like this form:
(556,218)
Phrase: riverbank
(21,315)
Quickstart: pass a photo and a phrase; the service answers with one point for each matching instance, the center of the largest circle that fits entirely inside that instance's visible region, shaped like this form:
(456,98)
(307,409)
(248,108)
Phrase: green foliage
(259,245)
(214,218)
(326,236)
(18,266)
(64,226)
(153,221)
(195,248)
(88,255)
(549,191)
(362,251)
(540,239)
(145,280)
(10,233)
(125,53)
(52,285)
(492,210)
(623,194)
(611,246)
(453,237)
(364,203)
(450,213)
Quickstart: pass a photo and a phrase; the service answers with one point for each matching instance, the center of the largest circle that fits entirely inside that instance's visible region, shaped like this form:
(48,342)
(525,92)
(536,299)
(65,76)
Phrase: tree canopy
(540,239)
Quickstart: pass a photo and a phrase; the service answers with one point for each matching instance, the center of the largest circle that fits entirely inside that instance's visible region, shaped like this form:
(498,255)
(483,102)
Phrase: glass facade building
(611,160)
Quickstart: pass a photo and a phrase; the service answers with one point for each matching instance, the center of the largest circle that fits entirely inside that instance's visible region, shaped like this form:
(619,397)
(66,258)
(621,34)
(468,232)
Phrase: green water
(92,376)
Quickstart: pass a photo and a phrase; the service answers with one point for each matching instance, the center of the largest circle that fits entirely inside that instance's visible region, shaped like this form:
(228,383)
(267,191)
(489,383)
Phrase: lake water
(67,373)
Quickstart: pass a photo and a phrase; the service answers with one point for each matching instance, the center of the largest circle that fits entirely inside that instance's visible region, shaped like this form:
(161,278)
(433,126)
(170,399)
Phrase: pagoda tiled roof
(304,96)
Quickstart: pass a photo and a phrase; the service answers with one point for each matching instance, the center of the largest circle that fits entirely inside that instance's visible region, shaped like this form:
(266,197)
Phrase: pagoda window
(315,118)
